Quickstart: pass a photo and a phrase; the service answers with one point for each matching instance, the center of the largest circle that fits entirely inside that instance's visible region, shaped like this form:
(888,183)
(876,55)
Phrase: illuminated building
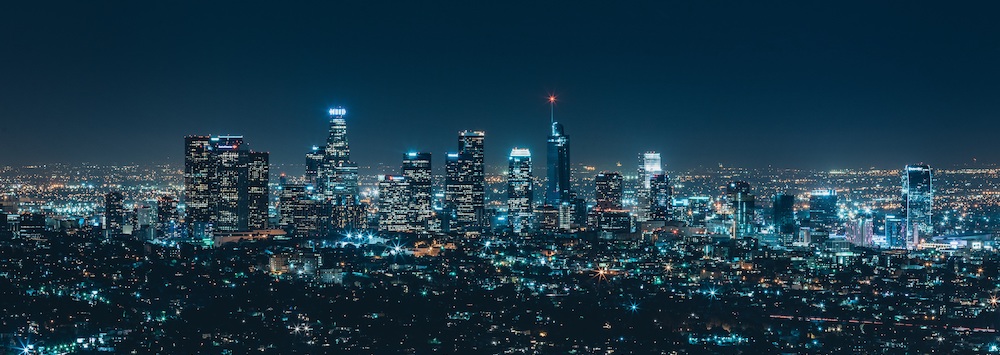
(660,197)
(314,163)
(783,214)
(697,209)
(338,175)
(918,202)
(197,181)
(742,203)
(608,191)
(519,191)
(465,182)
(393,203)
(895,232)
(114,213)
(649,166)
(167,219)
(471,147)
(823,211)
(222,174)
(558,171)
(417,170)
(860,232)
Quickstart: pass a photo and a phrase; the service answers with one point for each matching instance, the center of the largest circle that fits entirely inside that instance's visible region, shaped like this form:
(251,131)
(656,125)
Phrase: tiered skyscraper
(520,195)
(338,175)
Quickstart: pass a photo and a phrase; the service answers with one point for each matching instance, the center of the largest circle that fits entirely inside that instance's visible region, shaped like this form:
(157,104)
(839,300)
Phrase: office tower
(519,191)
(417,170)
(167,219)
(823,210)
(258,170)
(114,213)
(608,191)
(300,214)
(558,165)
(459,192)
(338,175)
(918,203)
(393,203)
(860,232)
(660,197)
(742,204)
(197,181)
(698,209)
(32,226)
(471,146)
(314,163)
(895,232)
(649,166)
(231,180)
(784,214)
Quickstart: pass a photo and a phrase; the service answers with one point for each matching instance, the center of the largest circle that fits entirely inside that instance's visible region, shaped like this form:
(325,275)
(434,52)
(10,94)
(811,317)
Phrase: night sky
(801,84)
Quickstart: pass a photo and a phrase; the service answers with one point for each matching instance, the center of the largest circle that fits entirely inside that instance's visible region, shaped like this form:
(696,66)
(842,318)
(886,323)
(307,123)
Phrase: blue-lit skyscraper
(918,202)
(558,189)
(519,191)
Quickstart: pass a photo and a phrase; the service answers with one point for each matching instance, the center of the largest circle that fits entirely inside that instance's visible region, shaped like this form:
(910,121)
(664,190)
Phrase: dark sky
(805,84)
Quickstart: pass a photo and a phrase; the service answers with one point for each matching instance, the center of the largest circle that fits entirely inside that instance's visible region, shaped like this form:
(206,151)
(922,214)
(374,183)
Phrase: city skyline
(678,79)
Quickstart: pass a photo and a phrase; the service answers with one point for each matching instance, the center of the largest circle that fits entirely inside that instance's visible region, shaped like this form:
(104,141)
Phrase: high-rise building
(114,213)
(338,175)
(823,210)
(520,194)
(393,203)
(471,146)
(230,180)
(417,171)
(558,167)
(197,181)
(465,182)
(660,197)
(743,204)
(167,218)
(649,166)
(783,212)
(314,163)
(896,232)
(918,202)
(608,191)
(460,196)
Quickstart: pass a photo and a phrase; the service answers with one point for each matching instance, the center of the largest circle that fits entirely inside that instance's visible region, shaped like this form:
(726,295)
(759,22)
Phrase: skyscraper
(338,175)
(783,213)
(393,203)
(459,193)
(114,213)
(823,210)
(519,190)
(660,197)
(225,185)
(471,147)
(314,163)
(918,202)
(608,190)
(465,181)
(417,170)
(742,202)
(649,166)
(558,168)
(197,181)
